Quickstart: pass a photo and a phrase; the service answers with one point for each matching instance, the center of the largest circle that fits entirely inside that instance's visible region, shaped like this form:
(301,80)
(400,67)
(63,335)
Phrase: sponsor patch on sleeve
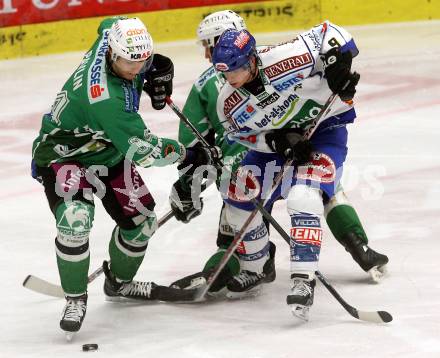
(97,89)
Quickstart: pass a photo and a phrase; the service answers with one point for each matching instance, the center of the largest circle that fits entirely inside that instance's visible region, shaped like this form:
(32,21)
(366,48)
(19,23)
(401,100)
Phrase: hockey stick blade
(372,316)
(163,293)
(175,295)
(375,317)
(199,294)
(44,287)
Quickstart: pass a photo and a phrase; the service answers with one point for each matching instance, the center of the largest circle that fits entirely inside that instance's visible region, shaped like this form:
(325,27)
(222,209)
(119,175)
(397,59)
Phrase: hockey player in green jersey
(200,109)
(90,143)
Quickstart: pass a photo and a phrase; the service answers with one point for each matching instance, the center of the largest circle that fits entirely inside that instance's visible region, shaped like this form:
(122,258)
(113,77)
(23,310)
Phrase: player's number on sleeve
(333,42)
(59,105)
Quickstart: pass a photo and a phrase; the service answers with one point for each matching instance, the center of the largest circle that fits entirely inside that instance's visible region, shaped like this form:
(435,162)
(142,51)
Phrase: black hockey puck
(90,347)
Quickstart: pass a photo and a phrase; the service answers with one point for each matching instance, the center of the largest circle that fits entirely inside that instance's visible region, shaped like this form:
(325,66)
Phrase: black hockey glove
(198,155)
(290,145)
(159,80)
(182,203)
(339,78)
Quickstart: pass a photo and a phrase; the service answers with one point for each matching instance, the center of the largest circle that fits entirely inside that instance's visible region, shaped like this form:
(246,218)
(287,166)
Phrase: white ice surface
(392,178)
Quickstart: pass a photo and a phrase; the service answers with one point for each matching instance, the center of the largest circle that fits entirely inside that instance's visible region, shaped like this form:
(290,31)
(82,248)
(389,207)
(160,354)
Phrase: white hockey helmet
(212,26)
(129,39)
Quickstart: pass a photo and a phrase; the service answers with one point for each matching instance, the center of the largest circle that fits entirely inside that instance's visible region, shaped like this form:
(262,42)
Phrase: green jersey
(200,109)
(94,119)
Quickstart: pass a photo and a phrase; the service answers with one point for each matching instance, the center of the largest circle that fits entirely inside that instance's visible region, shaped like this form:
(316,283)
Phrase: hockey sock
(233,265)
(74,222)
(73,275)
(305,243)
(127,248)
(343,219)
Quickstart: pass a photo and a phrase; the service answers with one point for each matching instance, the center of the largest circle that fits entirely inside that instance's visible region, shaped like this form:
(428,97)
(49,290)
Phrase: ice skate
(369,260)
(269,266)
(248,283)
(73,315)
(300,298)
(199,280)
(245,284)
(196,280)
(119,291)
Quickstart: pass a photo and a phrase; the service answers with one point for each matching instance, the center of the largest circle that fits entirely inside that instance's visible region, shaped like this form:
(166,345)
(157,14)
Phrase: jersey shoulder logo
(205,77)
(60,104)
(293,63)
(313,39)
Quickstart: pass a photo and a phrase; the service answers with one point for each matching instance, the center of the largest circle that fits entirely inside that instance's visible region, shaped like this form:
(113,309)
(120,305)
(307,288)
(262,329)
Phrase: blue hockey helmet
(233,50)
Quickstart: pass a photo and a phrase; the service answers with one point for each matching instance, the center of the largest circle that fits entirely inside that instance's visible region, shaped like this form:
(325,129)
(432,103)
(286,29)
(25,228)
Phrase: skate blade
(217,294)
(253,292)
(128,301)
(300,311)
(69,336)
(377,273)
(120,299)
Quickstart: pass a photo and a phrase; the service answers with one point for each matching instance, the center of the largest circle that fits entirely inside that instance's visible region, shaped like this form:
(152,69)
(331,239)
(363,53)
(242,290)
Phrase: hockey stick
(44,287)
(238,237)
(375,316)
(259,205)
(372,316)
(369,316)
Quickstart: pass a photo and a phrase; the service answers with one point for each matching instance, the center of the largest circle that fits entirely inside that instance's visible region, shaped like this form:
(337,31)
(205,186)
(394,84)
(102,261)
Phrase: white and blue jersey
(295,91)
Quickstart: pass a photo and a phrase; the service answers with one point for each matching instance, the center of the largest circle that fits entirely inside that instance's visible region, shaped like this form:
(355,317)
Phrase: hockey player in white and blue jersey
(269,101)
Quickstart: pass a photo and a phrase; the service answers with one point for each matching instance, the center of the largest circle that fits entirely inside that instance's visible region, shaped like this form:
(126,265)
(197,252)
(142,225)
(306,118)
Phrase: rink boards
(180,24)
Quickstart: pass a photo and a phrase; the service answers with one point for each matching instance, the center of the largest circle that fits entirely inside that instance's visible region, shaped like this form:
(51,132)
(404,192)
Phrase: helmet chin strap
(110,61)
(147,64)
(111,58)
(252,71)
